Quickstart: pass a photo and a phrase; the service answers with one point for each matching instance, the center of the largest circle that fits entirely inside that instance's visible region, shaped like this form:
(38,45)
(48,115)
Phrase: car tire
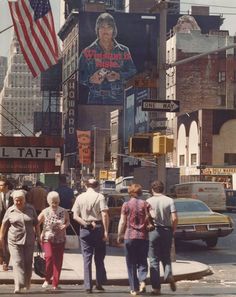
(211,242)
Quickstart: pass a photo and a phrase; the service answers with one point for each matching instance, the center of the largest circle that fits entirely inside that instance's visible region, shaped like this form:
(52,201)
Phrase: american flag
(34,26)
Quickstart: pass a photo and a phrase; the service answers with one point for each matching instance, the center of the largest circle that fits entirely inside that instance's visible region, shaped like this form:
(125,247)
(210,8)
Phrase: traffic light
(140,145)
(161,144)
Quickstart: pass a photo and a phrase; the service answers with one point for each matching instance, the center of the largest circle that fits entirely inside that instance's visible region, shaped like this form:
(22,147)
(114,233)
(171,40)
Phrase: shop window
(230,159)
(193,159)
(181,160)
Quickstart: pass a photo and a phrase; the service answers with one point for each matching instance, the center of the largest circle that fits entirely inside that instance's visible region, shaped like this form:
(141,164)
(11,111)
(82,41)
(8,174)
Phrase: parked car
(198,221)
(230,200)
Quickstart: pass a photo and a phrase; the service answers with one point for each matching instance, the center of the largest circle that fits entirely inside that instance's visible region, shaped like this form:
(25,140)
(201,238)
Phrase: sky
(225,7)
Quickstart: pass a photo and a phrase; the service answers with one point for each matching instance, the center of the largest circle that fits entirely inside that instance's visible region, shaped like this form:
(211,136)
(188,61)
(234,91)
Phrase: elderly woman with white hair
(55,220)
(21,225)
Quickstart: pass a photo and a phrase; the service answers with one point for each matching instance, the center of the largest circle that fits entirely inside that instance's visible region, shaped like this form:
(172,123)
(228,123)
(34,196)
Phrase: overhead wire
(17,119)
(12,124)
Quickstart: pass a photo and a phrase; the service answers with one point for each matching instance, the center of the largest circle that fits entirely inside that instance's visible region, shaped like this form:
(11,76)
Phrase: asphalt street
(184,289)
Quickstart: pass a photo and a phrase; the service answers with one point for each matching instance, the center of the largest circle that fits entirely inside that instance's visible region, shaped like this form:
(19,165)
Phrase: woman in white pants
(21,225)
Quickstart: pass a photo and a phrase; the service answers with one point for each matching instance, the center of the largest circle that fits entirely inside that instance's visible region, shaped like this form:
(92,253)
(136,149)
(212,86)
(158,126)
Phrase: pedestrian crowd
(40,218)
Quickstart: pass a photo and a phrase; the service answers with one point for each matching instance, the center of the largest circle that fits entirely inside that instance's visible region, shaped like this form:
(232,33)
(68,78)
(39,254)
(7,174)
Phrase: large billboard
(113,47)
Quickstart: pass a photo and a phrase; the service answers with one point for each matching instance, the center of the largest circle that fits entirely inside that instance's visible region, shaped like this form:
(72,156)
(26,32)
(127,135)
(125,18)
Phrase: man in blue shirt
(66,193)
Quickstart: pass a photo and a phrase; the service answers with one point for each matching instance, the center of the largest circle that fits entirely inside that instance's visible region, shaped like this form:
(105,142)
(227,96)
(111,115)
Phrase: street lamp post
(71,177)
(162,6)
(94,150)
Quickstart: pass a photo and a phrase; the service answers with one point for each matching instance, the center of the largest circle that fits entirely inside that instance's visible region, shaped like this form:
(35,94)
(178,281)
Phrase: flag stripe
(36,34)
(25,50)
(25,19)
(38,43)
(42,30)
(50,33)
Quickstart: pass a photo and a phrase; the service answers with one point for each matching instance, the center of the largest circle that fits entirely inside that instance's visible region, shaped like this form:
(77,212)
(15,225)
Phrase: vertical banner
(84,144)
(69,93)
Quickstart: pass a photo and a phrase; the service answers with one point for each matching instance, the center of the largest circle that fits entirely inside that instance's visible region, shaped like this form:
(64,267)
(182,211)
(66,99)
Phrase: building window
(222,100)
(221,76)
(230,159)
(193,159)
(181,160)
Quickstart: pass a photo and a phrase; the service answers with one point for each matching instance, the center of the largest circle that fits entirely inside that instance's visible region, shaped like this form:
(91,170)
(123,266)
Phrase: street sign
(157,124)
(145,83)
(102,174)
(160,105)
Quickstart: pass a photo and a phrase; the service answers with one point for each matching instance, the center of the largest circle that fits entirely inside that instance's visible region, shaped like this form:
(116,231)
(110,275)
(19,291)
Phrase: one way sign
(161,105)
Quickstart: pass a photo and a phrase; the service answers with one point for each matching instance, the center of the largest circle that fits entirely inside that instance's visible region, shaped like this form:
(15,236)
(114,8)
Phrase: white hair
(53,195)
(18,193)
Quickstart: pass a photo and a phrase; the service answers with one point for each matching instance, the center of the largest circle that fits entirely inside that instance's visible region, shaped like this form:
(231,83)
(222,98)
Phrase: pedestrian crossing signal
(140,145)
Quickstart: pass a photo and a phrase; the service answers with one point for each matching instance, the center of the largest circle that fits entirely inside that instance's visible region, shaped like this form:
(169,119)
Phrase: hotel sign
(28,152)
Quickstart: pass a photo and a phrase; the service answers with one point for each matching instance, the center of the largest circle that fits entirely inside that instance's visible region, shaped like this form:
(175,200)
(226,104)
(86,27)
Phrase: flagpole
(6,29)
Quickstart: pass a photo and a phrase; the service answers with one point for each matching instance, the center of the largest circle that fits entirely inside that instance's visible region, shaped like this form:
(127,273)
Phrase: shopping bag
(72,241)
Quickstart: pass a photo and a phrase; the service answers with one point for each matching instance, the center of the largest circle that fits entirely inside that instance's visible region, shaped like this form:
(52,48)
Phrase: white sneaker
(45,284)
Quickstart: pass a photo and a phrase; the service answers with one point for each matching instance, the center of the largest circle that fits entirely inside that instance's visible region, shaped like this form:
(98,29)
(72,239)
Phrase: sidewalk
(72,271)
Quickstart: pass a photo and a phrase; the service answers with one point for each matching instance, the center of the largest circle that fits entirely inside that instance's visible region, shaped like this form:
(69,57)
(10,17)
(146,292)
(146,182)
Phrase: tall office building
(3,70)
(20,96)
(141,6)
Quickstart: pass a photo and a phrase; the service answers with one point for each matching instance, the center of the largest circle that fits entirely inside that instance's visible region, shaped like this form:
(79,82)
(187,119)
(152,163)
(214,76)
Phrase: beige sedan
(198,221)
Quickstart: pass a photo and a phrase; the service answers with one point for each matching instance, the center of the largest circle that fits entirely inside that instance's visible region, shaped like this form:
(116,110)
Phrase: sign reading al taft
(30,154)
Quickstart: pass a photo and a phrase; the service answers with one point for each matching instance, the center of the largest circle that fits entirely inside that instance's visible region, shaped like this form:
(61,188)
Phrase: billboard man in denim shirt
(105,64)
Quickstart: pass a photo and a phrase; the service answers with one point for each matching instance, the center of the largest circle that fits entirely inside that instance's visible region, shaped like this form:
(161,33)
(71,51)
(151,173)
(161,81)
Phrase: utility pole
(94,150)
(162,6)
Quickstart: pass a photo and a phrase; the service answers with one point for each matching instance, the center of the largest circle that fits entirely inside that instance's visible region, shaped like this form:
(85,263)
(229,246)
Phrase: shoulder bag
(72,241)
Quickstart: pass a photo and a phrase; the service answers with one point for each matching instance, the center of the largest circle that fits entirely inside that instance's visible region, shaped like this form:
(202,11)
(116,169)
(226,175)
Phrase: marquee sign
(30,154)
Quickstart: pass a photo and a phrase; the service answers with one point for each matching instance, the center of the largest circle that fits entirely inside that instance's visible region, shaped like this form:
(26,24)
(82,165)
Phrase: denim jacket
(119,60)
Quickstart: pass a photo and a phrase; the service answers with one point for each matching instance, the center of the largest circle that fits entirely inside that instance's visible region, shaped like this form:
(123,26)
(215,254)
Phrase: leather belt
(93,221)
(90,226)
(163,227)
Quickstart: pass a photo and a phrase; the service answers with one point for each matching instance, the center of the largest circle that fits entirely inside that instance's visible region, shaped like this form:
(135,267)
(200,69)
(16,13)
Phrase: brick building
(207,82)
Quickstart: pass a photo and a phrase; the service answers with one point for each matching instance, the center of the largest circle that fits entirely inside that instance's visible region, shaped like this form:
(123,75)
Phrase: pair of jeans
(136,252)
(92,243)
(160,241)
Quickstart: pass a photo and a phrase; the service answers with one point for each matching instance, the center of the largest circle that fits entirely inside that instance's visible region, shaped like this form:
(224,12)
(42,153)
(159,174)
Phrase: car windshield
(191,206)
(109,184)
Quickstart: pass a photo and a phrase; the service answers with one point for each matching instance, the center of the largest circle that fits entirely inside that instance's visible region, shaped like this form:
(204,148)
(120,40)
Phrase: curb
(121,281)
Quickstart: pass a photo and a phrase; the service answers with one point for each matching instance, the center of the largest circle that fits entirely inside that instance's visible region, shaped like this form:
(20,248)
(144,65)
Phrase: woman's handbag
(39,263)
(72,241)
